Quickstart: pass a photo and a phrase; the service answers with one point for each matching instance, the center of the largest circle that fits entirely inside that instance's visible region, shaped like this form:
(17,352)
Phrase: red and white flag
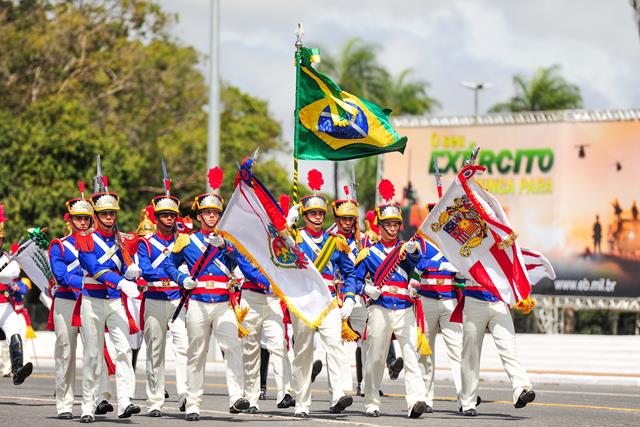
(470,228)
(538,266)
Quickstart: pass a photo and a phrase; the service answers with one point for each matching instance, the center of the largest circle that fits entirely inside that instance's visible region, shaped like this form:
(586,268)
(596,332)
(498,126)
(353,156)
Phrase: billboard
(569,187)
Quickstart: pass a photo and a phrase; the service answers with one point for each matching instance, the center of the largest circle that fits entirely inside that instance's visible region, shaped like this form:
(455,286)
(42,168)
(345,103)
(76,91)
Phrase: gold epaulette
(181,242)
(341,244)
(364,252)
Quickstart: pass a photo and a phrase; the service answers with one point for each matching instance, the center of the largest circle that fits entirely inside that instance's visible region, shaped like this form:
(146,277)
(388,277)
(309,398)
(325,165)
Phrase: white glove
(347,308)
(183,269)
(133,271)
(290,242)
(129,288)
(293,215)
(216,241)
(189,283)
(372,291)
(410,247)
(447,266)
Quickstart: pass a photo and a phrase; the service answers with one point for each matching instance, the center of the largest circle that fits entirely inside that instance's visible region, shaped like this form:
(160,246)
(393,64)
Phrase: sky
(444,42)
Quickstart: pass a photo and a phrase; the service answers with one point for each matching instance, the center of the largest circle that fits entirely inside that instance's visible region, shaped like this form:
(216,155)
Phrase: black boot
(20,372)
(134,358)
(264,372)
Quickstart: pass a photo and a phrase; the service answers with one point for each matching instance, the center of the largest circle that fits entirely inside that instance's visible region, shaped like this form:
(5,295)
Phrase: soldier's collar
(164,237)
(390,244)
(314,233)
(104,233)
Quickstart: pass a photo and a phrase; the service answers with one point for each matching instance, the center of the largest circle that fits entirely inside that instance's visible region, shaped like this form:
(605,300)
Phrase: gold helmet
(345,207)
(166,204)
(147,222)
(105,202)
(315,201)
(387,210)
(211,200)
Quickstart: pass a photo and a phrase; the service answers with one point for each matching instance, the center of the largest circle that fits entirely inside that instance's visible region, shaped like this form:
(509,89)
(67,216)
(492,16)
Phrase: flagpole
(298,45)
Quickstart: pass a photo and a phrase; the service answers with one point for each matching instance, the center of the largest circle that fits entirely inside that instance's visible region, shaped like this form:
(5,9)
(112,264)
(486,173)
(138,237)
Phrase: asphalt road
(32,404)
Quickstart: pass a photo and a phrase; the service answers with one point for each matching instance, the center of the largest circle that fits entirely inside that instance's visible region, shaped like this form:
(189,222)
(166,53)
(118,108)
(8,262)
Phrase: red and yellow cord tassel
(526,305)
(30,333)
(348,334)
(424,349)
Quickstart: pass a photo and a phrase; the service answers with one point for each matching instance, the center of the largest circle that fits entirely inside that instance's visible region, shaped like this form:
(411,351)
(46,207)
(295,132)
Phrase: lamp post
(476,87)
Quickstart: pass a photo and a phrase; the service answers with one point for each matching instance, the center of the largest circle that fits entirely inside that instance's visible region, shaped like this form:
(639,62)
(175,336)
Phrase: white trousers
(265,323)
(203,319)
(478,315)
(96,313)
(9,322)
(437,314)
(5,360)
(157,321)
(330,332)
(382,323)
(65,358)
(135,340)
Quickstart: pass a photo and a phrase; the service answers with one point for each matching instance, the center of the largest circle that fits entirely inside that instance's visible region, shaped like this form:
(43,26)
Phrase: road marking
(443,398)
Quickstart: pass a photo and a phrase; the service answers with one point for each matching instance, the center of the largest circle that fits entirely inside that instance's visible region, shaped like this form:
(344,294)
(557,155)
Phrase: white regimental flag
(254,224)
(470,228)
(34,261)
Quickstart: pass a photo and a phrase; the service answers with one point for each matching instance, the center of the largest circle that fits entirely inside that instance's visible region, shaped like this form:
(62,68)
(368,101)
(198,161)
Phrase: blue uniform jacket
(220,266)
(429,268)
(339,265)
(66,269)
(104,264)
(153,253)
(369,265)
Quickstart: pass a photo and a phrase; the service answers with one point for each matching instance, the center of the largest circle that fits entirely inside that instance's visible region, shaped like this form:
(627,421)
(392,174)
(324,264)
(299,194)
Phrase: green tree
(356,70)
(546,90)
(81,78)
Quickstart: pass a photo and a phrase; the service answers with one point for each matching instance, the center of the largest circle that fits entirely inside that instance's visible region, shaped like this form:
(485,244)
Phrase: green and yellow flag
(332,124)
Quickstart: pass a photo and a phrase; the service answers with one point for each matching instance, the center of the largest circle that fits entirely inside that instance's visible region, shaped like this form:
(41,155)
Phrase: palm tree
(356,70)
(547,90)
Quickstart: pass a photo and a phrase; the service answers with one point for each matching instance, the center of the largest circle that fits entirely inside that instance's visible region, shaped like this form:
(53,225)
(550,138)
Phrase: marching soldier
(9,323)
(391,310)
(483,310)
(265,322)
(107,260)
(210,260)
(319,245)
(437,290)
(69,276)
(161,299)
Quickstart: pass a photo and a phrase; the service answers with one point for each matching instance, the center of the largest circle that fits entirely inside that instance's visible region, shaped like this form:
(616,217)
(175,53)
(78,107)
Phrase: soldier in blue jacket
(69,277)
(210,261)
(391,312)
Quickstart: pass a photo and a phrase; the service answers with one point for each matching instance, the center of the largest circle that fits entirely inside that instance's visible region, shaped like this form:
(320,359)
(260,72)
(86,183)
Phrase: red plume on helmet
(370,220)
(387,190)
(151,214)
(315,179)
(2,217)
(215,177)
(81,188)
(285,200)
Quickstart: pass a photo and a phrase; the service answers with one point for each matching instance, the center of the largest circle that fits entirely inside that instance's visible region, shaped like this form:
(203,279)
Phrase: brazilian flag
(332,124)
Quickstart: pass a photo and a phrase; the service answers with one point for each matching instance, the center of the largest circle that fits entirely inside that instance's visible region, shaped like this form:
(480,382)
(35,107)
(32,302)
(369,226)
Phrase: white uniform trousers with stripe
(437,314)
(96,313)
(382,323)
(65,358)
(157,321)
(330,332)
(264,322)
(202,319)
(496,316)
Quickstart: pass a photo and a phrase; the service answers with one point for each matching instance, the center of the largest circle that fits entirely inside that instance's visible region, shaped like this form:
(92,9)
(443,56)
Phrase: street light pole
(476,87)
(213,137)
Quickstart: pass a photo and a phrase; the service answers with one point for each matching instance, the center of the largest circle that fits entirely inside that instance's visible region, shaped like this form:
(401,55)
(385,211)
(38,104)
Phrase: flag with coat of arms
(470,228)
(255,224)
(332,124)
